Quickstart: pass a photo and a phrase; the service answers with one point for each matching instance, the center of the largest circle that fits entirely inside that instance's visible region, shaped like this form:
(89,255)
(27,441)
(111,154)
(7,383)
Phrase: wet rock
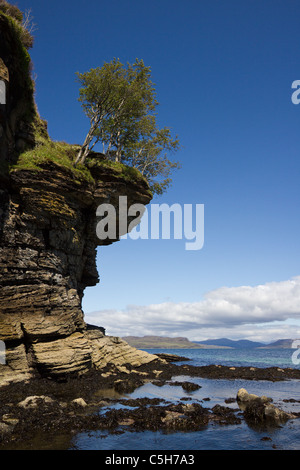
(159,383)
(9,419)
(187,386)
(170,418)
(138,402)
(5,430)
(172,357)
(127,386)
(291,400)
(225,415)
(275,414)
(190,386)
(126,422)
(79,402)
(243,396)
(260,410)
(159,418)
(230,400)
(246,373)
(35,401)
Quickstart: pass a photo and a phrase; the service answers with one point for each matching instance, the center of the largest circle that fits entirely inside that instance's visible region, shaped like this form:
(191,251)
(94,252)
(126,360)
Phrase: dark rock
(172,357)
(187,386)
(230,400)
(291,400)
(225,415)
(260,410)
(127,386)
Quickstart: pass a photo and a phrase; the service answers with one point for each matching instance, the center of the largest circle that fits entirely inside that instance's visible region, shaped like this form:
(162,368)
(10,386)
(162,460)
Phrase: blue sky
(223,73)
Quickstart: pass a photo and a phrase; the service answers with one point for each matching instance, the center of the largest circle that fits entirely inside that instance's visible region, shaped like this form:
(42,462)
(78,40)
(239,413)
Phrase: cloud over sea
(263,313)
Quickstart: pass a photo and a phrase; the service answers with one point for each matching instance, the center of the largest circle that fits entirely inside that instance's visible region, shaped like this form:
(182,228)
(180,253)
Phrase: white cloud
(258,313)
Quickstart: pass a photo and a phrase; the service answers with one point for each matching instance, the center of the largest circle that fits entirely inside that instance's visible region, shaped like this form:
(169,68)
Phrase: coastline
(89,403)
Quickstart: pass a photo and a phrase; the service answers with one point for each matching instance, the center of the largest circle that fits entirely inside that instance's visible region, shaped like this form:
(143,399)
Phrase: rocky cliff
(48,234)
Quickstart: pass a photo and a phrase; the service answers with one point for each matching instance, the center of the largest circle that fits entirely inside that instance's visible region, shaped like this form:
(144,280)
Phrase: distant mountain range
(164,342)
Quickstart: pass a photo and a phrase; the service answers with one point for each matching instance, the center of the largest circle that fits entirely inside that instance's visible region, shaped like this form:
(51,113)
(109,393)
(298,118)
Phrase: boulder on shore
(243,396)
(260,410)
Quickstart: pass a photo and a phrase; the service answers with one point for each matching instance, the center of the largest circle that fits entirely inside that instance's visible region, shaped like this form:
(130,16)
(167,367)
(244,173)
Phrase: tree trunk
(84,151)
(119,148)
(82,154)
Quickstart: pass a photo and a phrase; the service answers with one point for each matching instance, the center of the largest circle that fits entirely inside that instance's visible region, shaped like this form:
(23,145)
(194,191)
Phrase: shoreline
(47,407)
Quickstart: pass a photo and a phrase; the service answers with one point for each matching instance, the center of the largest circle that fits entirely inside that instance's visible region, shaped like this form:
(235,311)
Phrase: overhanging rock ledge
(47,258)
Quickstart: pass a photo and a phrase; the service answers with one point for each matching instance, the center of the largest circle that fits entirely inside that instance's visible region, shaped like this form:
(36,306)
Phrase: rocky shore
(47,407)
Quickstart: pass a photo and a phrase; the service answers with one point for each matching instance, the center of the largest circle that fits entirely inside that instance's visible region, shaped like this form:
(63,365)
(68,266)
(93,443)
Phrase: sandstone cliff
(48,235)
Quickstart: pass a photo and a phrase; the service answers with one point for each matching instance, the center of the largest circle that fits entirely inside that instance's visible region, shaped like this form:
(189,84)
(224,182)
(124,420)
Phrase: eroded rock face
(48,247)
(48,235)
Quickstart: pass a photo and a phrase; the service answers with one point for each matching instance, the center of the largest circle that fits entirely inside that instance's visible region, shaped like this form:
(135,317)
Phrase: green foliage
(11,10)
(20,69)
(23,23)
(120,170)
(120,103)
(149,154)
(63,155)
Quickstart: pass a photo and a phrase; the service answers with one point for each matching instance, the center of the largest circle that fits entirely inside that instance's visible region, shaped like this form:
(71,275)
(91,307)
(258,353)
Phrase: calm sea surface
(213,437)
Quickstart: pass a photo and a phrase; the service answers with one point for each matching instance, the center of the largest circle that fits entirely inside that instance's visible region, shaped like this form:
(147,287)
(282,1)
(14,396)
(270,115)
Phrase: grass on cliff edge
(63,154)
(46,151)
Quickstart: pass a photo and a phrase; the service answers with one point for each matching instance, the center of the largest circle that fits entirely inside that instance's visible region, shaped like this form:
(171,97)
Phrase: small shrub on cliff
(24,22)
(11,10)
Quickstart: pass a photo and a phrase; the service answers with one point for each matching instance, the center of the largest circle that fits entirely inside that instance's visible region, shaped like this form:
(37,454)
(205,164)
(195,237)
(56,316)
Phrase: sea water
(214,436)
(236,357)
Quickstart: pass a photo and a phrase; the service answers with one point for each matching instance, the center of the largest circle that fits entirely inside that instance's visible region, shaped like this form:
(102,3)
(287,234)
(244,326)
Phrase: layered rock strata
(48,247)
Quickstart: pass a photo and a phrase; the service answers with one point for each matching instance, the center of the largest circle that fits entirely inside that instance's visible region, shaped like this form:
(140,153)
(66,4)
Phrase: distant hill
(164,342)
(239,344)
(246,344)
(280,344)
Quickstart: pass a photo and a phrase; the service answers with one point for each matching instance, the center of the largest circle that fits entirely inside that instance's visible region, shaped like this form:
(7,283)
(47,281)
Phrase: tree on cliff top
(120,104)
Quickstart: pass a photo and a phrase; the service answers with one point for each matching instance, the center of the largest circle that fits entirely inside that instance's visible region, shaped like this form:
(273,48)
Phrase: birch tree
(113,98)
(120,102)
(149,154)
